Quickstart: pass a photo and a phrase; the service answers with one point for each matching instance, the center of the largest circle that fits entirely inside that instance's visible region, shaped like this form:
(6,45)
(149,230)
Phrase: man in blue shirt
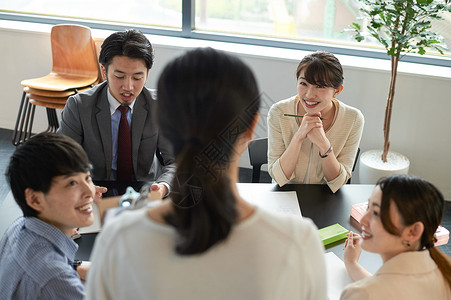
(50,179)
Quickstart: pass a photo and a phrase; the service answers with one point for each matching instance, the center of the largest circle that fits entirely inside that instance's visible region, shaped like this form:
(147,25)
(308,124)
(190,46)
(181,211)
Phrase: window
(314,20)
(299,24)
(160,13)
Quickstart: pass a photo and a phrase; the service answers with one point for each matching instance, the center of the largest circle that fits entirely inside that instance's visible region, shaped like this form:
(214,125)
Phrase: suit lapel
(103,117)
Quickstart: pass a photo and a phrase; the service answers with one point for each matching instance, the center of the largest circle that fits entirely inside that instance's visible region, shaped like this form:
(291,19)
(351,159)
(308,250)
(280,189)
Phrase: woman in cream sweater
(320,145)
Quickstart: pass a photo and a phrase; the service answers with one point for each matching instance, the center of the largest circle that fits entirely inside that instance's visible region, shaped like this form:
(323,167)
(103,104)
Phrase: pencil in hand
(296,116)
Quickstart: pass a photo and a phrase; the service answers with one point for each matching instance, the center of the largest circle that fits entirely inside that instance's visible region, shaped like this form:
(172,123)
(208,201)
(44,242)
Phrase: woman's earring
(406,244)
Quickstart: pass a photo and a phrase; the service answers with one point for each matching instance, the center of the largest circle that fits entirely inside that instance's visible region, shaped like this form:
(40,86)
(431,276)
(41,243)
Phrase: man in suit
(93,118)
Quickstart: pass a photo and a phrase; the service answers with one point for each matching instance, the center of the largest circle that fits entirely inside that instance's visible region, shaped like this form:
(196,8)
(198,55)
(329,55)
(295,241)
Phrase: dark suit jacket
(87,119)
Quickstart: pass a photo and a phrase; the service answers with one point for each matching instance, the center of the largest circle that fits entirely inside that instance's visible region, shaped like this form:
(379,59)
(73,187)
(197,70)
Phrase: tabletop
(316,201)
(325,208)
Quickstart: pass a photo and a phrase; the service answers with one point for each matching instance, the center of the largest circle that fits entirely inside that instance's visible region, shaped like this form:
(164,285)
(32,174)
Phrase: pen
(354,237)
(298,116)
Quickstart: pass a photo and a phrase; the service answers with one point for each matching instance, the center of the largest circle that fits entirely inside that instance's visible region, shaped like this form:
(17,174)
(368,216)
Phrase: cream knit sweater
(344,135)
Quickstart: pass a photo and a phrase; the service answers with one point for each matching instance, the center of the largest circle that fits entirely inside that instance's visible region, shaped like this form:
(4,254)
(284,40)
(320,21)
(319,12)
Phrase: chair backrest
(258,156)
(73,51)
(355,163)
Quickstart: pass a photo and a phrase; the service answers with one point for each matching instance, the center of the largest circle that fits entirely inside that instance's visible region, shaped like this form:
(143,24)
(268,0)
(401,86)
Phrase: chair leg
(28,121)
(256,174)
(23,127)
(56,124)
(20,120)
(52,119)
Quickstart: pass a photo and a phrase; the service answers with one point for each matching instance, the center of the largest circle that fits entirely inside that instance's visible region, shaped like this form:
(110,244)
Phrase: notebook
(332,234)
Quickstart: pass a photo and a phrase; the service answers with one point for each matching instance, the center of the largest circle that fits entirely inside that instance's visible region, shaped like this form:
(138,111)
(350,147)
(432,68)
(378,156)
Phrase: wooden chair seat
(54,100)
(59,83)
(47,104)
(47,93)
(55,94)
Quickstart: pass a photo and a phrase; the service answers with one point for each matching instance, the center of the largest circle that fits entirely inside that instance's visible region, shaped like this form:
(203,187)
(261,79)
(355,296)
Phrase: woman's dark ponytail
(207,100)
(443,263)
(204,207)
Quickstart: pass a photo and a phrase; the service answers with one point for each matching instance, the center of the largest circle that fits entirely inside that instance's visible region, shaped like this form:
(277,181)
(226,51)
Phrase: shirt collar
(114,104)
(53,235)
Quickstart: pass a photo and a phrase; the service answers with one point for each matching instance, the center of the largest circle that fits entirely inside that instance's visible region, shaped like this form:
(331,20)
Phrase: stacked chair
(75,68)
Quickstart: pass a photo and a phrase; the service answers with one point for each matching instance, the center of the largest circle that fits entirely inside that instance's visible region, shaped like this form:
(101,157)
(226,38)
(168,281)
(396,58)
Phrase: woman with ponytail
(402,218)
(205,241)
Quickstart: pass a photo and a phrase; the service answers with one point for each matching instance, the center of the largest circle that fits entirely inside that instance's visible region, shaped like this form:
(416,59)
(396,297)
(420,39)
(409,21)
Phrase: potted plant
(400,26)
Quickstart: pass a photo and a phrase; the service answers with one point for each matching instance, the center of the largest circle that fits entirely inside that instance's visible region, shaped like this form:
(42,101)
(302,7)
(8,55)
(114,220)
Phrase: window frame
(188,31)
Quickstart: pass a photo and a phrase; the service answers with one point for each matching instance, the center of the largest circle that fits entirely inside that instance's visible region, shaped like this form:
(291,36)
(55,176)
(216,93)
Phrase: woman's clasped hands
(312,128)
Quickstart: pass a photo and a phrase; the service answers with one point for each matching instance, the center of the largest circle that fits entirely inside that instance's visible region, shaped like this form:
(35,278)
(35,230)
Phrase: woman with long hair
(403,215)
(205,241)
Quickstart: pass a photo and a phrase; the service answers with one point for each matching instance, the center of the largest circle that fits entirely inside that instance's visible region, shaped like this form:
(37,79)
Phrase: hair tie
(432,242)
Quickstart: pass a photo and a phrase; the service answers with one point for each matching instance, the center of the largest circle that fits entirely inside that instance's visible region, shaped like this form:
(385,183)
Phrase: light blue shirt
(115,119)
(36,262)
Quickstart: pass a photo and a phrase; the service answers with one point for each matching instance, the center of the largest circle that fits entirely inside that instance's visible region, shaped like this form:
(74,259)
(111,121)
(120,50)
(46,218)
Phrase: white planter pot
(371,166)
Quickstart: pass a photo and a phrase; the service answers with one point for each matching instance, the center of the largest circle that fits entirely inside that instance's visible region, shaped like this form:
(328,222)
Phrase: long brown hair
(207,99)
(417,200)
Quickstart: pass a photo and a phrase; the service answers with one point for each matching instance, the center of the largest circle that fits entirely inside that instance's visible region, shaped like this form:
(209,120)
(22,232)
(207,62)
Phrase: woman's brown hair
(208,99)
(417,200)
(321,68)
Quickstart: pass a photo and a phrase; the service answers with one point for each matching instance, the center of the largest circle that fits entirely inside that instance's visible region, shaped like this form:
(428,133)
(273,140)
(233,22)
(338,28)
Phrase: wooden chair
(74,67)
(74,60)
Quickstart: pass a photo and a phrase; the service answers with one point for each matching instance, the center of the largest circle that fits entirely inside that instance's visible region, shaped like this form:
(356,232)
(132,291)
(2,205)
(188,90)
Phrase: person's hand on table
(158,191)
(100,190)
(82,269)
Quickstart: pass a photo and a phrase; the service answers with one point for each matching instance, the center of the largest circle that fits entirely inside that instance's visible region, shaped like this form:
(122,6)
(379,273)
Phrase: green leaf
(391,52)
(424,2)
(358,37)
(376,24)
(356,26)
(402,26)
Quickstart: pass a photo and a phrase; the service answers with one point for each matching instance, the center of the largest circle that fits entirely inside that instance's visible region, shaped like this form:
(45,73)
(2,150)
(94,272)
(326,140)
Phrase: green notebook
(332,233)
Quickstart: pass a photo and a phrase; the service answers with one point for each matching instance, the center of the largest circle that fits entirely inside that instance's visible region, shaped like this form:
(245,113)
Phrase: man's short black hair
(35,163)
(130,43)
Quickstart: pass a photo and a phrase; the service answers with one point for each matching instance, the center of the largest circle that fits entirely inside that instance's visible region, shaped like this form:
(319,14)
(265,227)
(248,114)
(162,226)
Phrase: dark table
(318,203)
(325,208)
(86,241)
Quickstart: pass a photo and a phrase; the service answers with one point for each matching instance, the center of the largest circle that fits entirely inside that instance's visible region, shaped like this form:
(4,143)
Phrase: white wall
(421,121)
